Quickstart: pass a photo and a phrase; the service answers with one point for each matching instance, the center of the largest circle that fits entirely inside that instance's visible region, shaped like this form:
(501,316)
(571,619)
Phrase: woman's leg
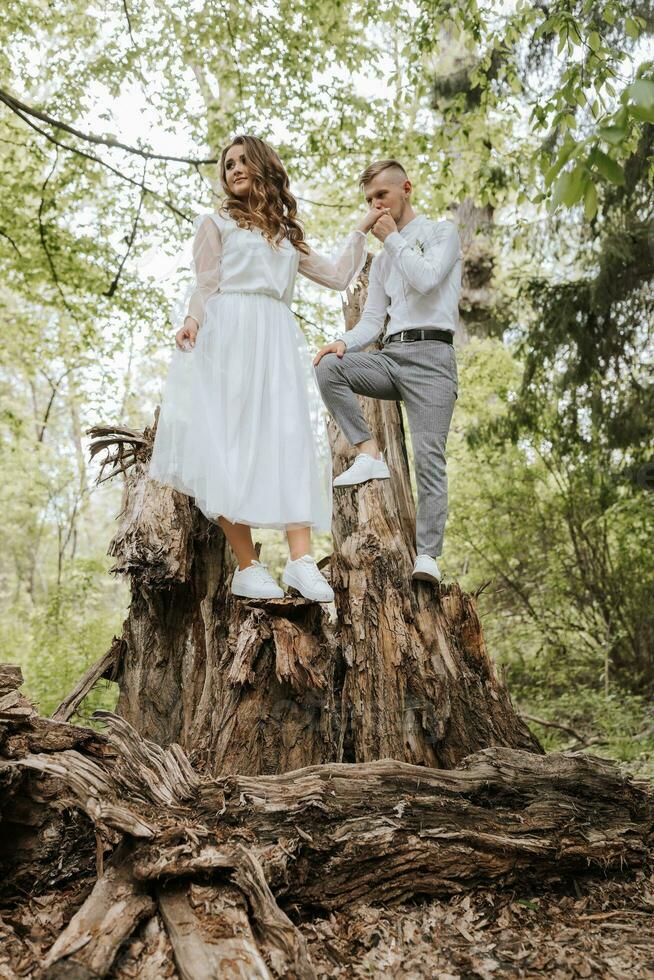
(239,537)
(299,541)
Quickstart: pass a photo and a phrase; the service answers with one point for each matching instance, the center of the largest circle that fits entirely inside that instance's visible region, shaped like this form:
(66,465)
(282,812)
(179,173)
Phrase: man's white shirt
(415,279)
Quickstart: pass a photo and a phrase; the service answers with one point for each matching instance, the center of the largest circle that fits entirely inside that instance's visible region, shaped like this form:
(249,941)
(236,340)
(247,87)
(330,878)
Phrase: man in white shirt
(413,290)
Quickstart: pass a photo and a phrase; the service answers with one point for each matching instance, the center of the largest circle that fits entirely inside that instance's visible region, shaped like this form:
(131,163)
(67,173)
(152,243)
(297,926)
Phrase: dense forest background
(540,115)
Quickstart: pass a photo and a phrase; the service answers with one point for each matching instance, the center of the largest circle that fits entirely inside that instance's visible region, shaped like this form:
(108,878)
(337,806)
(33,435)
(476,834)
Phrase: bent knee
(327,367)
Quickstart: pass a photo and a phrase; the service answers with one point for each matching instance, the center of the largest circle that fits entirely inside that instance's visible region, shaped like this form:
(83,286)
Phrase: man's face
(388,190)
(237,174)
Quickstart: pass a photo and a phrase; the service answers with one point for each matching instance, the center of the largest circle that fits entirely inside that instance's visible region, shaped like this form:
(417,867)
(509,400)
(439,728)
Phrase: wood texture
(263,687)
(270,760)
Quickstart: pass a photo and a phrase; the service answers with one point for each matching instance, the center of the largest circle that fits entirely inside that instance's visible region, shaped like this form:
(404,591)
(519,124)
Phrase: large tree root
(216,872)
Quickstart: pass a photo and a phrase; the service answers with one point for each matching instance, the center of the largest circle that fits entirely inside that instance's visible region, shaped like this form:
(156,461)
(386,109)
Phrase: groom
(413,290)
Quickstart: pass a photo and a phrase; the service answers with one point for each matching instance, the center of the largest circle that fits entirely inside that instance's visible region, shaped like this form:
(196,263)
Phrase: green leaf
(644,115)
(608,15)
(590,201)
(642,93)
(570,186)
(621,118)
(574,33)
(594,41)
(569,148)
(607,167)
(612,134)
(632,28)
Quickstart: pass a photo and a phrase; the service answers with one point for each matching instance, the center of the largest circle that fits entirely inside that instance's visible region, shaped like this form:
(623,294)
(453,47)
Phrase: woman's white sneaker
(256,582)
(304,575)
(365,467)
(426,569)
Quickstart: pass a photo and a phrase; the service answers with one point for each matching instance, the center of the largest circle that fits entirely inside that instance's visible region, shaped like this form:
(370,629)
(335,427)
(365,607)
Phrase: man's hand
(185,336)
(371,218)
(384,226)
(336,347)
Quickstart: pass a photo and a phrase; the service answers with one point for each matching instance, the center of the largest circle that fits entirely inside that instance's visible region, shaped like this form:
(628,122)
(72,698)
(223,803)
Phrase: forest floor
(599,928)
(591,927)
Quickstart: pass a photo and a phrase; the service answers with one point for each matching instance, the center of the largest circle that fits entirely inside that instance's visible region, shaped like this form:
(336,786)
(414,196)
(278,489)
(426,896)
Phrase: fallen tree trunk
(222,867)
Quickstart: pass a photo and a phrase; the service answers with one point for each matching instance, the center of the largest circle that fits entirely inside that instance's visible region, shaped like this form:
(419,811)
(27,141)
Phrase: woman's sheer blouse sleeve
(205,265)
(340,269)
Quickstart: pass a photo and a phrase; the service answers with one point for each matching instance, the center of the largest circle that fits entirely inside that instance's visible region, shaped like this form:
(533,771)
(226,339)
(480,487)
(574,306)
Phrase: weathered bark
(480,309)
(220,866)
(106,667)
(41,838)
(264,687)
(271,760)
(88,947)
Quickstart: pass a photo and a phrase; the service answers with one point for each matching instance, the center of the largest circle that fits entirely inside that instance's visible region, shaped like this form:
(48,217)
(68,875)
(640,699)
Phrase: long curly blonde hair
(270,205)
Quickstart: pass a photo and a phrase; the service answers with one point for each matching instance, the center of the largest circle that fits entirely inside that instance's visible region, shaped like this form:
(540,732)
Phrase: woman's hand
(370,218)
(185,336)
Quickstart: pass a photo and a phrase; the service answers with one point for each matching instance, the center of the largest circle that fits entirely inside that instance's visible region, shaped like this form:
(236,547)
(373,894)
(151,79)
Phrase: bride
(241,426)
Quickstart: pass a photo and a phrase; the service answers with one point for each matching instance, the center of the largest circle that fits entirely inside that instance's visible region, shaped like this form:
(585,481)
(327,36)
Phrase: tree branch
(21,109)
(130,241)
(11,241)
(103,163)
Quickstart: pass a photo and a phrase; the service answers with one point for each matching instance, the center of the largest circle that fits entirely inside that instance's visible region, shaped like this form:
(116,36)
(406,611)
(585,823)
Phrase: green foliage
(569,65)
(618,726)
(56,640)
(565,545)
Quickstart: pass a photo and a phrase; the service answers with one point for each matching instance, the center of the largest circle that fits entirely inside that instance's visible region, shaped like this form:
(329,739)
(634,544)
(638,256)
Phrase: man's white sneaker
(256,582)
(304,575)
(365,467)
(426,569)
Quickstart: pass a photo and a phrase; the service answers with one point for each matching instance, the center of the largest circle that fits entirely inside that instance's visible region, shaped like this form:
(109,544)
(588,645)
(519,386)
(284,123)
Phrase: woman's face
(237,173)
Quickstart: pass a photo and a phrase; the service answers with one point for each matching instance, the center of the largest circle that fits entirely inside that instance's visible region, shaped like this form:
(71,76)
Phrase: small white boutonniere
(419,246)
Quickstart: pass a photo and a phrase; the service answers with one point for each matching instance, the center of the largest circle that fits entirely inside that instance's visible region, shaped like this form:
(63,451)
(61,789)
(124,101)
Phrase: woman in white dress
(241,426)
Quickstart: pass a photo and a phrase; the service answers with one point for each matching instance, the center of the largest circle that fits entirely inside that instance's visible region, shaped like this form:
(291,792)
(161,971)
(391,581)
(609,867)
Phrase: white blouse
(227,258)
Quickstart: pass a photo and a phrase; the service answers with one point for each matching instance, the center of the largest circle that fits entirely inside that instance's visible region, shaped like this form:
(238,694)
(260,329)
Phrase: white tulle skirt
(242,426)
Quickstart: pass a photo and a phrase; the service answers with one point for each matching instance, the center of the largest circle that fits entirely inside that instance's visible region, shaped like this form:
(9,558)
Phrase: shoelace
(315,572)
(260,569)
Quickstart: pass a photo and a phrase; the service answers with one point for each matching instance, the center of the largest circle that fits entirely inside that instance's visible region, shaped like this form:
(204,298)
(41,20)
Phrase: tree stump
(260,687)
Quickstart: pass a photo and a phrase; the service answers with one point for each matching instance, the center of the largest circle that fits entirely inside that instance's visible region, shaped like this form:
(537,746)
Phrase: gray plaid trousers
(423,374)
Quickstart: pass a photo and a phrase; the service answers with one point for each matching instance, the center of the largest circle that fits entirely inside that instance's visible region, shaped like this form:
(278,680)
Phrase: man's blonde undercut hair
(378,167)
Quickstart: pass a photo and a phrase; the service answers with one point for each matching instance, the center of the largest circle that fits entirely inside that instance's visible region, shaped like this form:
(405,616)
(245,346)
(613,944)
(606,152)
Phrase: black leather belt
(404,335)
